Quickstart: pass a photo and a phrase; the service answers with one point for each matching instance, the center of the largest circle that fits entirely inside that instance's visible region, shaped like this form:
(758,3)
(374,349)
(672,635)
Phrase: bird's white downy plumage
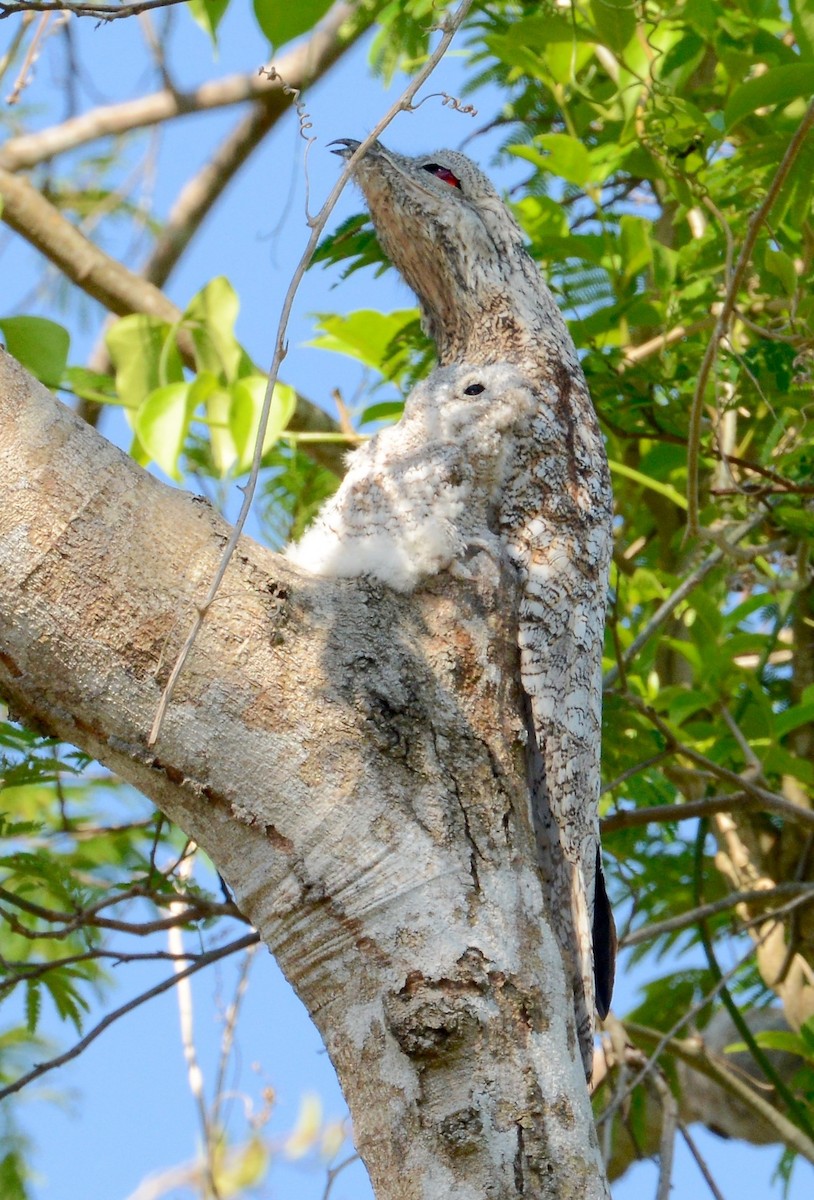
(421,492)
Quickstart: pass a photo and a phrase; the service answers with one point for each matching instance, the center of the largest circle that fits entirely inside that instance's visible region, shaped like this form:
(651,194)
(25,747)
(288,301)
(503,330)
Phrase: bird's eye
(474,389)
(443,173)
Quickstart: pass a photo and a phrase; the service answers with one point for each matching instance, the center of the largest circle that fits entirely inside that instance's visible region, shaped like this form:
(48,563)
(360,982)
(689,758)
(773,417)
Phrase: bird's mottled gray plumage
(519,466)
(485,304)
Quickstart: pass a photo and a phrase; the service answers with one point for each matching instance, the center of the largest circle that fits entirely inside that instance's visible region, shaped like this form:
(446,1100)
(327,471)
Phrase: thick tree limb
(352,762)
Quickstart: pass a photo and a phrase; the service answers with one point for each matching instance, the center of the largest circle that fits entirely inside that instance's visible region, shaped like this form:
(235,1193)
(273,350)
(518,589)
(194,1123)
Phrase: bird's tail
(595,958)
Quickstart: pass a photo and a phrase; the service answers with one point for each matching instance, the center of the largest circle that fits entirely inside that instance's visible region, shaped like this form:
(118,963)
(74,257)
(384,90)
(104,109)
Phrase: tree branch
(299,66)
(688,585)
(633,818)
(203,960)
(693,1052)
(352,766)
(771,801)
(713,907)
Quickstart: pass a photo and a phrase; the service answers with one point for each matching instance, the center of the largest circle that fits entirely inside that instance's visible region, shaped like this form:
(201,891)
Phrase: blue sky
(125,1107)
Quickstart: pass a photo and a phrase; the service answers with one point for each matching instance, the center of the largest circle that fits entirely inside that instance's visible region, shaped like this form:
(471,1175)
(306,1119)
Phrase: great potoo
(484,302)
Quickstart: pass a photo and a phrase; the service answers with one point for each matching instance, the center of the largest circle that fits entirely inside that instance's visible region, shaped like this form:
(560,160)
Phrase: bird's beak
(346,146)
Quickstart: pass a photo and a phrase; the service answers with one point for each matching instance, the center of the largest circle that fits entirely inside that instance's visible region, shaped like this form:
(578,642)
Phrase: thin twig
(304,63)
(757,1052)
(636,354)
(699,1162)
(665,610)
(31,55)
(695,1053)
(228,1037)
(652,761)
(200,193)
(402,104)
(727,309)
(204,961)
(669,1123)
(333,1172)
(713,907)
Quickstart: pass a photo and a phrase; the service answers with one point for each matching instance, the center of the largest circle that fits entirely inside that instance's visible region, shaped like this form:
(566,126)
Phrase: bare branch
(685,919)
(203,961)
(771,801)
(659,814)
(693,1052)
(637,354)
(102,277)
(290,73)
(699,1162)
(669,1122)
(102,12)
(303,64)
(120,290)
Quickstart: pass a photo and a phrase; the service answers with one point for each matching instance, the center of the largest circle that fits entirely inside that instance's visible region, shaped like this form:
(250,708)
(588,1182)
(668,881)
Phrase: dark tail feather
(604,937)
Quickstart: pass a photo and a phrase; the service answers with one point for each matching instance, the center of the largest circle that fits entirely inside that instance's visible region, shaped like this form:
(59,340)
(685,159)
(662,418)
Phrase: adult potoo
(483,301)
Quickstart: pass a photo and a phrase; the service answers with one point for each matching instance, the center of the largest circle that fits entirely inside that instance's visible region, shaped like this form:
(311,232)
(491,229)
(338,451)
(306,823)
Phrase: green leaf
(283,20)
(793,718)
(781,265)
(614,21)
(773,1039)
(364,335)
(563,155)
(634,238)
(781,85)
(162,422)
(210,317)
(218,401)
(40,345)
(802,22)
(145,355)
(799,521)
(244,419)
(90,385)
(664,489)
(208,14)
(33,1005)
(388,410)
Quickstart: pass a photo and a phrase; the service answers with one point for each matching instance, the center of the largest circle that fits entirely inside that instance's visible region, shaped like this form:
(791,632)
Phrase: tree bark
(352,761)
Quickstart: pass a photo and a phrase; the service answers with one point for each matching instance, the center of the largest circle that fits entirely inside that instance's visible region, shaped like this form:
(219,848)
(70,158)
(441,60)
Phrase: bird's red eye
(443,173)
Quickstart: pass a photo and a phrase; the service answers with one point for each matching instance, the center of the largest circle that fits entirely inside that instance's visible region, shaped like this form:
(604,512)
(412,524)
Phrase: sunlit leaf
(162,421)
(281,21)
(781,85)
(39,344)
